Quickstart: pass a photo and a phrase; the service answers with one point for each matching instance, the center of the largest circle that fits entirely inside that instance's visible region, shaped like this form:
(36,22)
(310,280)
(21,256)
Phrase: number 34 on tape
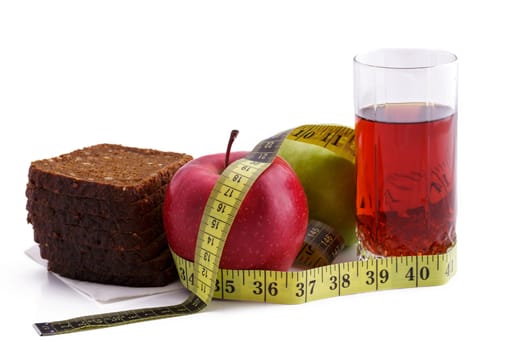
(333,280)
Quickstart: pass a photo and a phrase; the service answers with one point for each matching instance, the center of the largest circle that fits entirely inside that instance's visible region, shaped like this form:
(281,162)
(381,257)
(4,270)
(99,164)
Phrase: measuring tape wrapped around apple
(236,235)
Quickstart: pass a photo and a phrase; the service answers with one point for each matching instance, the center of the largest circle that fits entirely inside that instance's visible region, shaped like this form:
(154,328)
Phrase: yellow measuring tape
(206,280)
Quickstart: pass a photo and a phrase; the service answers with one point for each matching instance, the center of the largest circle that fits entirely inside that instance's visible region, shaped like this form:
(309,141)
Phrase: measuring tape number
(296,287)
(205,280)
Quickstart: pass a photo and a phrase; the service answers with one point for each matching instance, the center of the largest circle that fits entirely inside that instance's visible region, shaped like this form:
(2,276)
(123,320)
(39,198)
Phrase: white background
(180,75)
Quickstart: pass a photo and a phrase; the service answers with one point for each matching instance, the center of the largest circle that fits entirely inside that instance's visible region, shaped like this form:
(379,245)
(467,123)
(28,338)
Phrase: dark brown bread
(124,261)
(132,279)
(79,218)
(107,172)
(92,264)
(104,208)
(113,244)
(97,213)
(95,237)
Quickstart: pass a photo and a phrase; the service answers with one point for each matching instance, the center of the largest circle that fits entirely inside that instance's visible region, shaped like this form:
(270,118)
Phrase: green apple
(329,183)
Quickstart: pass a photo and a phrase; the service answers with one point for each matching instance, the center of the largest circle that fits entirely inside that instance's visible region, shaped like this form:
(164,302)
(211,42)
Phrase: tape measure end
(44,328)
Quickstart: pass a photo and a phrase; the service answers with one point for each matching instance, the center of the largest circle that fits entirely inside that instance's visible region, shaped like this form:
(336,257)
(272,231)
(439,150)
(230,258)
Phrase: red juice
(406,179)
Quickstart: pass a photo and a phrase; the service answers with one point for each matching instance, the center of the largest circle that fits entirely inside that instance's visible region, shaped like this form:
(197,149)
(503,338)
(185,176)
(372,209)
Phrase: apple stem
(233,135)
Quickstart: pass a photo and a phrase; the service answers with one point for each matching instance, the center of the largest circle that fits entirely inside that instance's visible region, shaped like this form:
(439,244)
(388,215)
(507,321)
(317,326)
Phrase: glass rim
(442,58)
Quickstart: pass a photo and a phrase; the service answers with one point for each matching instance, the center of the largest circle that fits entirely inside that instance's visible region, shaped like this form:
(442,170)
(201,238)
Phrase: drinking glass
(406,126)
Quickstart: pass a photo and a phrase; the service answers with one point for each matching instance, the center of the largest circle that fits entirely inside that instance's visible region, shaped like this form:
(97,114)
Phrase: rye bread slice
(104,208)
(150,257)
(100,238)
(45,214)
(62,253)
(133,279)
(107,244)
(107,172)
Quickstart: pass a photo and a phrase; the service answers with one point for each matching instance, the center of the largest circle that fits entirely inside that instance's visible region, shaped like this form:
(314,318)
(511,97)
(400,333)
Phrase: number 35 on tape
(333,280)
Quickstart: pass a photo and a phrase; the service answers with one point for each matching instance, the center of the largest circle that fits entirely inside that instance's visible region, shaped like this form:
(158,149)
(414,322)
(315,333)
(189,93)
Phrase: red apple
(269,228)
